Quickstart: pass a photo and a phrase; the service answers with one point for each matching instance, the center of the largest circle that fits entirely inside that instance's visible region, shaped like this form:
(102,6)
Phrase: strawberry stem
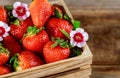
(60,42)
(17,22)
(57,13)
(14,61)
(32,30)
(65,33)
(3,50)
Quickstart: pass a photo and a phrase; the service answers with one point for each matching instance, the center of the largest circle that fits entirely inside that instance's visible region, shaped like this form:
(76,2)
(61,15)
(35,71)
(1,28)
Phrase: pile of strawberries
(37,34)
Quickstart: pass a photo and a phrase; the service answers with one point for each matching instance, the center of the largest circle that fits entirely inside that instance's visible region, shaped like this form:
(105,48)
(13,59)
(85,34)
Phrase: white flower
(20,10)
(4,29)
(78,37)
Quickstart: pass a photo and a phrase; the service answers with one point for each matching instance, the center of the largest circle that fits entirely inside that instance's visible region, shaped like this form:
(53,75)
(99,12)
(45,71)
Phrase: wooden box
(76,67)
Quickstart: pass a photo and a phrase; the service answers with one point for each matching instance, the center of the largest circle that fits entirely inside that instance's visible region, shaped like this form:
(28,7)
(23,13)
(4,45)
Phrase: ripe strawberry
(35,39)
(17,31)
(25,60)
(55,54)
(54,26)
(12,45)
(4,55)
(4,70)
(40,12)
(3,14)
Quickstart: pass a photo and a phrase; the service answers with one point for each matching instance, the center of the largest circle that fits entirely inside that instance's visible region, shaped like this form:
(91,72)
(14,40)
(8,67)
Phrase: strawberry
(35,39)
(25,60)
(3,14)
(12,45)
(4,70)
(52,54)
(55,25)
(4,55)
(40,12)
(19,28)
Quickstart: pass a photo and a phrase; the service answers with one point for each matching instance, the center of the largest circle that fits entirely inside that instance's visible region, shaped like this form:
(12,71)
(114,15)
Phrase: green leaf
(66,17)
(14,61)
(9,7)
(64,44)
(17,22)
(55,44)
(75,51)
(57,13)
(60,42)
(76,24)
(3,50)
(65,33)
(33,30)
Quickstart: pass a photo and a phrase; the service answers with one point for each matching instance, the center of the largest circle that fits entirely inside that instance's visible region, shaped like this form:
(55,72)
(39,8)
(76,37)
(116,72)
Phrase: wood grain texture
(93,4)
(103,27)
(83,72)
(101,19)
(105,71)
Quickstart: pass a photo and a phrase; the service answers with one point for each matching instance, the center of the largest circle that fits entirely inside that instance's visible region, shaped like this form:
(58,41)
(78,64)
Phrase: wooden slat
(83,72)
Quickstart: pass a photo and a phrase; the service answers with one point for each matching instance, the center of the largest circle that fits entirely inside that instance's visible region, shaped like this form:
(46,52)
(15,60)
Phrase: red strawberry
(3,14)
(25,60)
(54,26)
(19,30)
(40,12)
(35,39)
(4,70)
(12,45)
(4,55)
(55,54)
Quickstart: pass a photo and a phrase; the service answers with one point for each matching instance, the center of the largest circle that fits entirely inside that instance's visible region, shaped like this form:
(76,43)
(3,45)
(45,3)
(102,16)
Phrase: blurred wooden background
(101,19)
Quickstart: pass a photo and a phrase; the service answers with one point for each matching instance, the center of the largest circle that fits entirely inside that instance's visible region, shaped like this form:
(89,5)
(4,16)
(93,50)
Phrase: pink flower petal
(82,44)
(1,38)
(72,33)
(14,13)
(27,13)
(79,30)
(16,4)
(6,34)
(85,35)
(1,23)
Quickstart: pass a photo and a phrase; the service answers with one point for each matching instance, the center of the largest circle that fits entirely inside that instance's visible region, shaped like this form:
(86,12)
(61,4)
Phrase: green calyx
(60,42)
(9,9)
(57,13)
(3,50)
(76,23)
(33,30)
(65,33)
(66,17)
(14,61)
(17,22)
